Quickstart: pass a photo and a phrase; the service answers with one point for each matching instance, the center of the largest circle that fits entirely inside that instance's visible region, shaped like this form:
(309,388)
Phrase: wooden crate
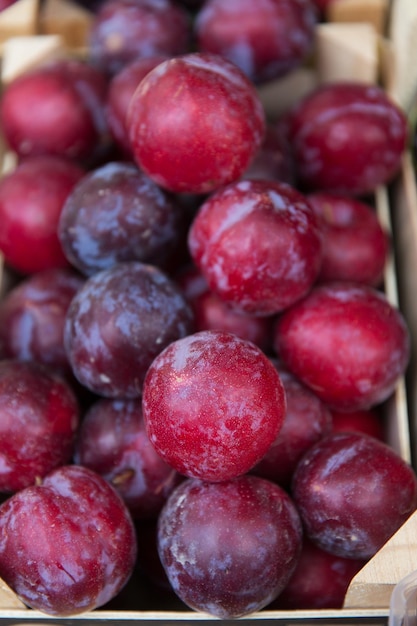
(361,41)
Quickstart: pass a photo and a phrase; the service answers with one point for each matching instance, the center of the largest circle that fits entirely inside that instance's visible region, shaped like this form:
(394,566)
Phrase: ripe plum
(56,108)
(195,123)
(259,245)
(31,201)
(118,322)
(353,493)
(265,38)
(67,545)
(346,342)
(229,548)
(355,244)
(125,30)
(32,316)
(39,418)
(112,441)
(213,404)
(347,138)
(116,213)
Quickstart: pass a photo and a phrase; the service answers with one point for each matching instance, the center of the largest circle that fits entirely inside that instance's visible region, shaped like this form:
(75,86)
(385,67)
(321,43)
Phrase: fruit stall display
(164,264)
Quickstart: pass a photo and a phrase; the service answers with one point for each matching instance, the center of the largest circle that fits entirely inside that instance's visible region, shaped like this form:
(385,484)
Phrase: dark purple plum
(229,548)
(116,213)
(32,317)
(125,30)
(118,322)
(353,493)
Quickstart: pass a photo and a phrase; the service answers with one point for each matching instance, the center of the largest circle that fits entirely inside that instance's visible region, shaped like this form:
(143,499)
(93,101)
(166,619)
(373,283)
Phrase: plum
(118,322)
(347,137)
(353,492)
(213,403)
(39,419)
(258,243)
(68,544)
(346,342)
(229,548)
(195,123)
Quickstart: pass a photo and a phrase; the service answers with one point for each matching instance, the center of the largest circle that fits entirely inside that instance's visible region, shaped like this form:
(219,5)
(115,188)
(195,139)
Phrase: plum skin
(39,421)
(31,200)
(117,323)
(195,122)
(258,243)
(346,342)
(265,39)
(67,545)
(32,316)
(307,419)
(353,492)
(213,403)
(347,137)
(229,548)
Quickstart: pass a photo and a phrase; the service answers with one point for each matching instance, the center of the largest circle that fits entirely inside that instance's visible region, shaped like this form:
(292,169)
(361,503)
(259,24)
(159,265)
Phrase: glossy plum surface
(353,492)
(258,244)
(116,213)
(55,108)
(195,123)
(31,200)
(118,322)
(125,30)
(112,441)
(307,420)
(229,548)
(213,404)
(39,419)
(265,38)
(355,243)
(347,138)
(346,342)
(67,545)
(32,317)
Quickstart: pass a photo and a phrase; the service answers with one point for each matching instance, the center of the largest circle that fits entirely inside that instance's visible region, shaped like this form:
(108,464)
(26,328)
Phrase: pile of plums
(195,345)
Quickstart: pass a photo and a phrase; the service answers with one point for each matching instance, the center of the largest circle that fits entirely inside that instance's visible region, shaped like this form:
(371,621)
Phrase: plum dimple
(118,322)
(212,404)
